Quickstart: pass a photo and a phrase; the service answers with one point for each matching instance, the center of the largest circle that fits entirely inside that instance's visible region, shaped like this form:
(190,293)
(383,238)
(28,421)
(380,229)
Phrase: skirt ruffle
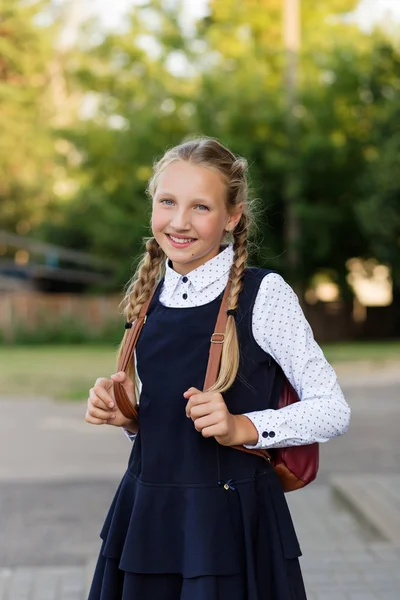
(110,583)
(199,542)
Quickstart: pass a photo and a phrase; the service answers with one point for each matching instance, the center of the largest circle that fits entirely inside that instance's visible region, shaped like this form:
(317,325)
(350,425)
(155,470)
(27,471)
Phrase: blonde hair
(206,152)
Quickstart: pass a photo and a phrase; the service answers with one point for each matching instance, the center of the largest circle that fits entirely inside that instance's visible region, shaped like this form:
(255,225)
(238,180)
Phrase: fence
(34,316)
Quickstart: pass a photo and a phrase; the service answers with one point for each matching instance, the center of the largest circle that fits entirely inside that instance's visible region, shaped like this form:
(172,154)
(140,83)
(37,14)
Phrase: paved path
(376,498)
(58,475)
(49,583)
(342,560)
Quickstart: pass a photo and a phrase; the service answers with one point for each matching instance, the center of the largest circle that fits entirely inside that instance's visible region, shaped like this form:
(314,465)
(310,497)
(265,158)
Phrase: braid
(240,236)
(148,274)
(143,283)
(230,351)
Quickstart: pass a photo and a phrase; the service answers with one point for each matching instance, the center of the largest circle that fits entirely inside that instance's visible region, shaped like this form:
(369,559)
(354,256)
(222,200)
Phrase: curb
(374,500)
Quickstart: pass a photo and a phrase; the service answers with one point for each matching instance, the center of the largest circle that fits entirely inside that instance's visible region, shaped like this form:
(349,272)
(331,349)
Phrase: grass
(67,372)
(356,351)
(59,372)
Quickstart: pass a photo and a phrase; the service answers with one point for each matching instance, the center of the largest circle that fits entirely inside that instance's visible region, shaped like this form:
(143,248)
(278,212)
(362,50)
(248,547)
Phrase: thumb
(122,378)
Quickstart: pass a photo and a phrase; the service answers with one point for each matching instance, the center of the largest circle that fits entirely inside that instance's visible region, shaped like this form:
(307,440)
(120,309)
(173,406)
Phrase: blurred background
(91,93)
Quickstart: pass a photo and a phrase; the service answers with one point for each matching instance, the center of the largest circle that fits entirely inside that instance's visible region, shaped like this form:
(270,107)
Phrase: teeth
(181,241)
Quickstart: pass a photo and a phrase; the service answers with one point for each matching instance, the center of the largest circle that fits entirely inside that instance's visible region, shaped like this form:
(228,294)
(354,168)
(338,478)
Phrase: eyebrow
(164,193)
(171,195)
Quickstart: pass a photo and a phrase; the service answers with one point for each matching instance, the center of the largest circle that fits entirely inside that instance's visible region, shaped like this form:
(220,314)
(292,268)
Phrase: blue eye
(202,207)
(166,201)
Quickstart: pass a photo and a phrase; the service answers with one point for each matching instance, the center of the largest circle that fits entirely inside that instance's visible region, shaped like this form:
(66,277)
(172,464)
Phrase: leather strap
(217,342)
(214,361)
(124,404)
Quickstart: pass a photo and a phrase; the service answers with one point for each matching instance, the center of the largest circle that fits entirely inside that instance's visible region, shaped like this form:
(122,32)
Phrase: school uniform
(191,519)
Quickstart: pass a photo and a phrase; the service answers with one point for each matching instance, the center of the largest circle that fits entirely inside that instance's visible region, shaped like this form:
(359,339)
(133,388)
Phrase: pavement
(58,476)
(375,498)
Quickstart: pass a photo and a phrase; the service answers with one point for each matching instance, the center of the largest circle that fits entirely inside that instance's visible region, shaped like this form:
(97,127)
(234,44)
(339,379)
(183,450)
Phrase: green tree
(336,117)
(138,109)
(26,144)
(230,85)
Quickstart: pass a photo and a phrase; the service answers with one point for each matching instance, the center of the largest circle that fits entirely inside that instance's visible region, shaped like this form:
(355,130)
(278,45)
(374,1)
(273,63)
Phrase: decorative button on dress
(191,519)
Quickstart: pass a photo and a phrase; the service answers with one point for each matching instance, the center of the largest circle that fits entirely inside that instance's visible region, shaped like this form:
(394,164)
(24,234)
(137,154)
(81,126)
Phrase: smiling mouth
(181,241)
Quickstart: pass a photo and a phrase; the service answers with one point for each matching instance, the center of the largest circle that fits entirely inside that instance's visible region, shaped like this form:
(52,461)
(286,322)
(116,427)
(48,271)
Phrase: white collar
(203,276)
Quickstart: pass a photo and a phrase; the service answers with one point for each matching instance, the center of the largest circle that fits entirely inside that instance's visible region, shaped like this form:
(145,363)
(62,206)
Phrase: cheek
(158,221)
(212,226)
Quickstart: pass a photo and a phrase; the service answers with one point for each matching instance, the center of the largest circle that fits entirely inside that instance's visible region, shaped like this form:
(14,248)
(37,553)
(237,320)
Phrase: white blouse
(281,329)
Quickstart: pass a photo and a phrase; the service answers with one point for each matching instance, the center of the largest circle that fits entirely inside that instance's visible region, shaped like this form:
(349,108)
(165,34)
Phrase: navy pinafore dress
(191,519)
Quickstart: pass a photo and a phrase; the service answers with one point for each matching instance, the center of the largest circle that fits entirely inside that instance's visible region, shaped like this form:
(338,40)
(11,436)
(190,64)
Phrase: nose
(180,220)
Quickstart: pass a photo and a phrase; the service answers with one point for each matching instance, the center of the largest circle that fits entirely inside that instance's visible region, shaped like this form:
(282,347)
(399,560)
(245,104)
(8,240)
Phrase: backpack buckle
(217,338)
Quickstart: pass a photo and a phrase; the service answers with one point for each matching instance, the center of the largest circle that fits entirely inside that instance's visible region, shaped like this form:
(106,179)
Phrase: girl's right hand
(101,406)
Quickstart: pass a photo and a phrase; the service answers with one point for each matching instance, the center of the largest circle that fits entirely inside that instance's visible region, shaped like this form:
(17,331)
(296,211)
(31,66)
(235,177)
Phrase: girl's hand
(210,415)
(102,408)
(212,418)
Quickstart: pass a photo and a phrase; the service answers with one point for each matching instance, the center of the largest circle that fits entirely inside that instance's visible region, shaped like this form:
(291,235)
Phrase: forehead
(186,179)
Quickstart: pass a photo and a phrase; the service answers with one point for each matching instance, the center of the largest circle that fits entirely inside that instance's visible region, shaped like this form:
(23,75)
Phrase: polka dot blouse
(281,329)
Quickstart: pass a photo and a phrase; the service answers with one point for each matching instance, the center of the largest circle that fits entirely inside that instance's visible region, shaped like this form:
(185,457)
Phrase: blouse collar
(203,276)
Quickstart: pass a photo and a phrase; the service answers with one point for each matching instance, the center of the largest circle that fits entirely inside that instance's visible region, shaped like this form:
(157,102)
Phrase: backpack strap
(214,361)
(123,402)
(217,342)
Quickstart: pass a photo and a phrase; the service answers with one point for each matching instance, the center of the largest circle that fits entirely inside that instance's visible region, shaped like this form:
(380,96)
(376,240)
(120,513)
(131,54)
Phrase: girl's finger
(199,410)
(206,421)
(120,376)
(211,431)
(98,413)
(191,391)
(191,404)
(93,420)
(198,400)
(101,398)
(123,378)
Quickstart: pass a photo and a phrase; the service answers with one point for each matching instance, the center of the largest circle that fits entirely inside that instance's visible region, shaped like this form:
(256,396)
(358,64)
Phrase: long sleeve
(281,329)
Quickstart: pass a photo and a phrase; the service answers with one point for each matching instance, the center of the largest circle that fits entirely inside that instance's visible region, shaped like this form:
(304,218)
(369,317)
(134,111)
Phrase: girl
(193,518)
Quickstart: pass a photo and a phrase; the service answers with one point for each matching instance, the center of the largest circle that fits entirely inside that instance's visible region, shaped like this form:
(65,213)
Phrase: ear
(234,218)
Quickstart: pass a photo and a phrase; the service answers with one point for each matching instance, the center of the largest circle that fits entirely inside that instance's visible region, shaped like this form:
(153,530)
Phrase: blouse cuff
(129,434)
(269,427)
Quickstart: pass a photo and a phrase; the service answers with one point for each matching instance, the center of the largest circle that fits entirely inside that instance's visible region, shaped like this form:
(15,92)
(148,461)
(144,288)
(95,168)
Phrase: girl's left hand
(211,416)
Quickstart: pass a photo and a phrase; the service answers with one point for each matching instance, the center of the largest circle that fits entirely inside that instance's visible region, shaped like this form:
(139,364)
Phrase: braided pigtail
(147,276)
(230,351)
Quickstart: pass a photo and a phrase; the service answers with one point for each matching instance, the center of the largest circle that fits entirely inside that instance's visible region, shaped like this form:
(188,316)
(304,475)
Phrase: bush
(66,330)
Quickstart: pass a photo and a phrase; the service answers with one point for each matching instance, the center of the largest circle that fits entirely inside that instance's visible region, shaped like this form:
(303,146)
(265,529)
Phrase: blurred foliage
(124,97)
(27,157)
(66,330)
